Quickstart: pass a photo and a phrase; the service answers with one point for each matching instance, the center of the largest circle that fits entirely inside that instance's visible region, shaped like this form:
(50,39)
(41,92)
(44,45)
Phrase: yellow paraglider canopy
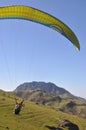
(35,15)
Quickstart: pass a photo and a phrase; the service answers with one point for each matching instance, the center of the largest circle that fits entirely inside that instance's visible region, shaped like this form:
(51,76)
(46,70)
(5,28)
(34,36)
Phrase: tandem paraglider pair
(18,107)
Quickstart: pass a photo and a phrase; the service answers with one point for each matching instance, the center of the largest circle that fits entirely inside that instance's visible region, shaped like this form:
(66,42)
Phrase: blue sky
(33,52)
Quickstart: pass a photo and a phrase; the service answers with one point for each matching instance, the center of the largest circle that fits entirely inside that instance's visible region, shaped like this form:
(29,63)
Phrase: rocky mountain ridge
(47,87)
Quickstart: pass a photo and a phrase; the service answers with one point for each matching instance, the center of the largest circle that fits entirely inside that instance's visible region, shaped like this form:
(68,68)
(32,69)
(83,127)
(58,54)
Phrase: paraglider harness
(18,107)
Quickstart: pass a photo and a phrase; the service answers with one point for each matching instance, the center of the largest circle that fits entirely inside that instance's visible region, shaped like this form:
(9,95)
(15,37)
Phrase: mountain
(47,87)
(53,96)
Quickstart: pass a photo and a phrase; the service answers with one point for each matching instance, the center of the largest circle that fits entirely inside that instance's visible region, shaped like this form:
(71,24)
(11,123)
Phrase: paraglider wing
(35,15)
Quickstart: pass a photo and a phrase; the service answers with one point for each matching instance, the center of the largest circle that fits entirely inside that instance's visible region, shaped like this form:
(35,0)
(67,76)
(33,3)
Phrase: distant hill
(47,87)
(52,95)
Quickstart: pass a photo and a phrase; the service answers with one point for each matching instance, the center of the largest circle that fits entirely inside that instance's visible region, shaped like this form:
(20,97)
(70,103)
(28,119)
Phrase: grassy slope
(32,116)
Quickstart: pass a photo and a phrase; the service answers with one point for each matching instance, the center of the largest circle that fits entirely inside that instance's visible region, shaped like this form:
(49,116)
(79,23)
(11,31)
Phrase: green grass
(32,116)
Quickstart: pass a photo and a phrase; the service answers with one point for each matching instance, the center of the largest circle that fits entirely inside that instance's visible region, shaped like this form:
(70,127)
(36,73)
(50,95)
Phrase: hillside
(53,96)
(35,116)
(38,96)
